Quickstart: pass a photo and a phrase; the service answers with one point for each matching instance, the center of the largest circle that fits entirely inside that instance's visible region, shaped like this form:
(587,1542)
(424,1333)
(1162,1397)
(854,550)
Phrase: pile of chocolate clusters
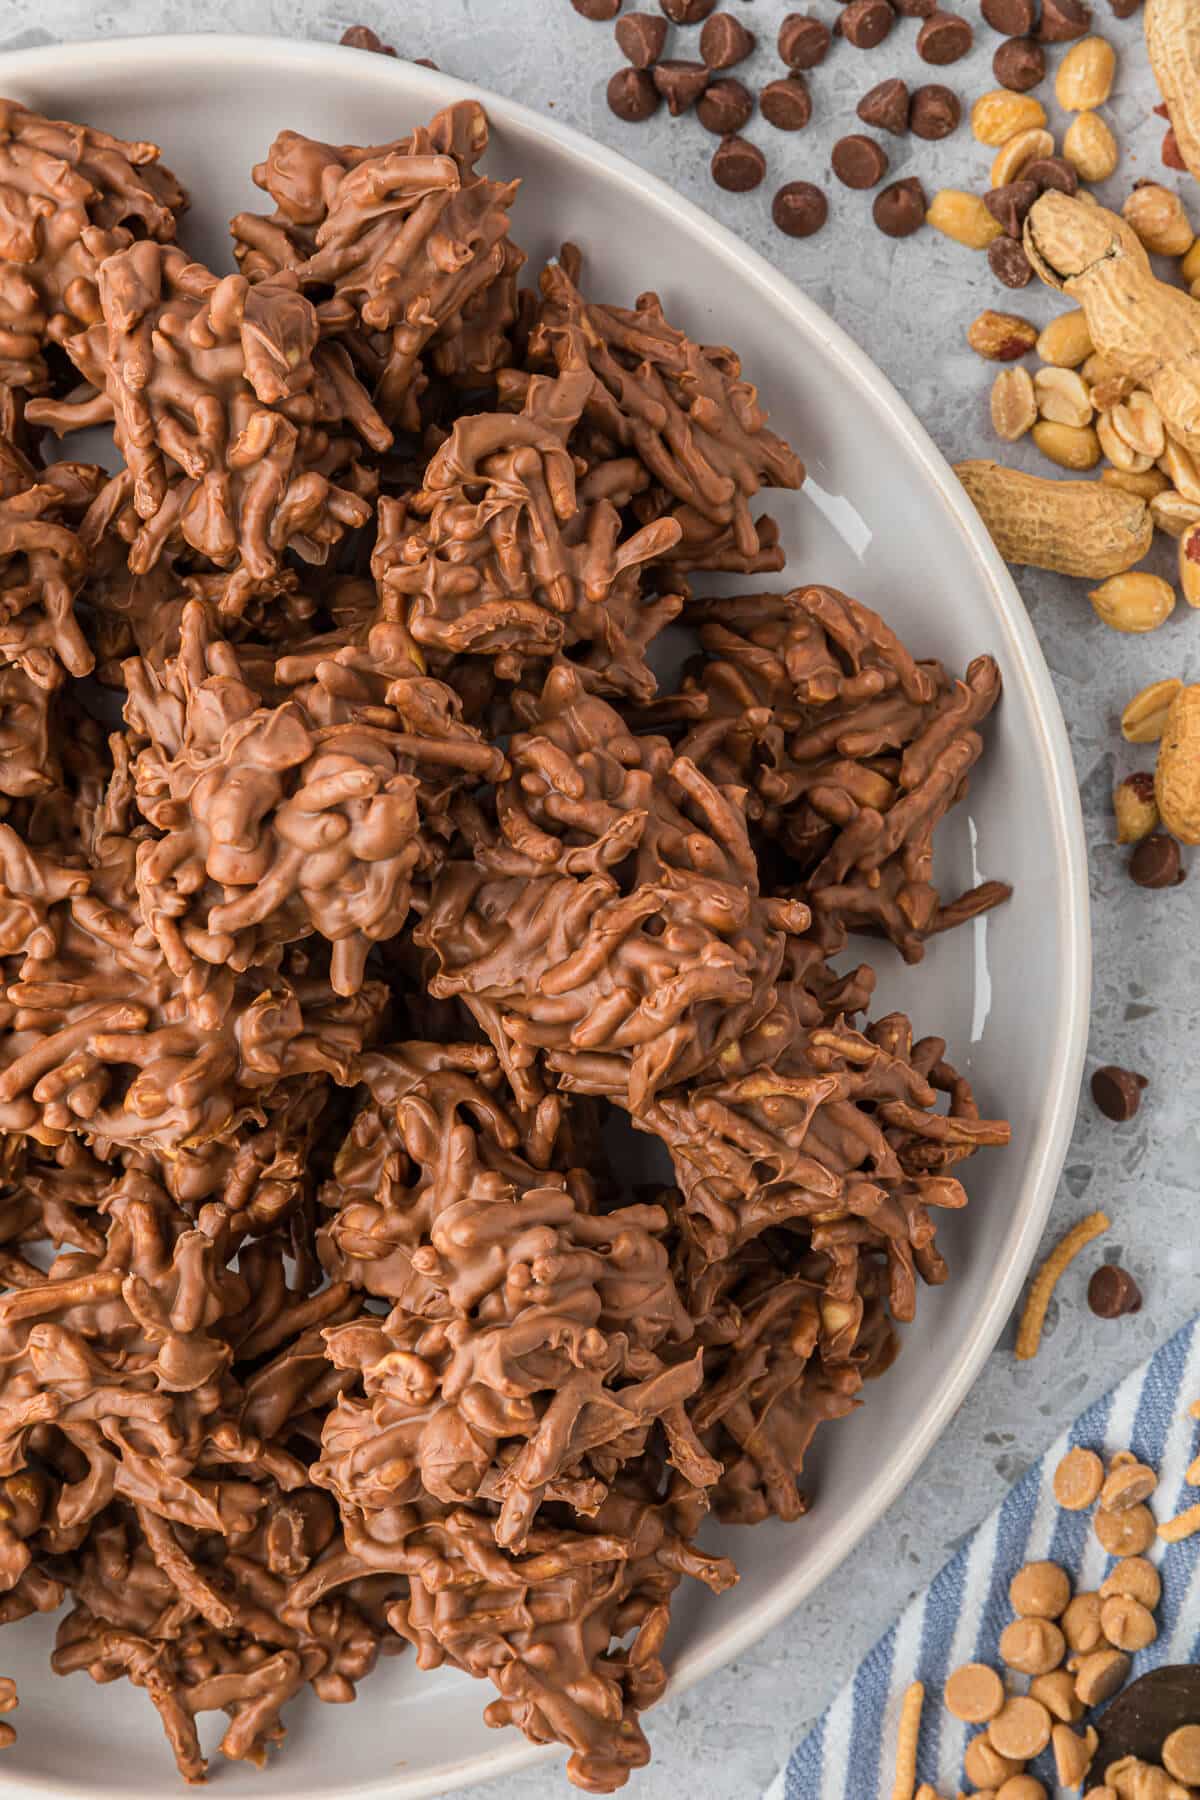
(330,972)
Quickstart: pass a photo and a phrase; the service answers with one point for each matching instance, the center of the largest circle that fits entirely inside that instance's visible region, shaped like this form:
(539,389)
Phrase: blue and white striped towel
(850,1753)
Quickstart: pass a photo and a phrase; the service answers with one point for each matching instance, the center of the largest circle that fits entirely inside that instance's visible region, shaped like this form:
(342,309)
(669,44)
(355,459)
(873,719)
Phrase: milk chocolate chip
(725,106)
(1117,1092)
(899,209)
(859,161)
(886,107)
(725,41)
(803,41)
(935,112)
(361,37)
(641,38)
(1063,20)
(680,83)
(786,103)
(1009,263)
(865,23)
(1156,862)
(1014,18)
(944,38)
(737,165)
(632,95)
(1019,64)
(799,209)
(597,10)
(1009,204)
(687,12)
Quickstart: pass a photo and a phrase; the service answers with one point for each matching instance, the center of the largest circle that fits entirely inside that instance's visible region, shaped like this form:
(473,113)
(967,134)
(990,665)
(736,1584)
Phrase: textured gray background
(909,305)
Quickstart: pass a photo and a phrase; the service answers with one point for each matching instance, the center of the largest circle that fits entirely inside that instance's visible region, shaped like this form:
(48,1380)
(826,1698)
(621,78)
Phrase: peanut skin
(1173,41)
(1075,527)
(1177,776)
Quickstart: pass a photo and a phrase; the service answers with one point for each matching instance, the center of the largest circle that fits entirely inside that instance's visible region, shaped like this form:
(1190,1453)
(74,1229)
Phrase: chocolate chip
(687,12)
(1010,203)
(1162,111)
(738,165)
(1117,1092)
(680,83)
(1019,64)
(858,161)
(865,23)
(725,106)
(799,209)
(786,103)
(641,38)
(1156,862)
(899,209)
(361,37)
(597,10)
(1051,172)
(803,41)
(935,112)
(1012,18)
(632,95)
(943,38)
(886,107)
(725,41)
(1124,9)
(1112,1291)
(1171,154)
(915,9)
(1063,20)
(1009,263)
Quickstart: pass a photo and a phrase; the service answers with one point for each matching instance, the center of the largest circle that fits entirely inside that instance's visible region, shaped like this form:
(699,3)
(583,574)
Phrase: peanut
(1098,369)
(1144,718)
(1189,267)
(1090,147)
(1179,464)
(1085,75)
(1011,158)
(1189,565)
(998,116)
(1107,394)
(1157,215)
(1117,450)
(1173,514)
(1134,603)
(1062,397)
(1135,808)
(1001,337)
(1074,527)
(1070,446)
(1173,41)
(1014,407)
(963,217)
(1148,482)
(1177,775)
(1139,424)
(1066,342)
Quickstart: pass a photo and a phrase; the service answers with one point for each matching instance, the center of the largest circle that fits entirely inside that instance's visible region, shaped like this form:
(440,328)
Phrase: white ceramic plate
(881,516)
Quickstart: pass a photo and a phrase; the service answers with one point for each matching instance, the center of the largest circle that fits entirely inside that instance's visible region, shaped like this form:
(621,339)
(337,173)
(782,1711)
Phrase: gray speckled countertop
(908,304)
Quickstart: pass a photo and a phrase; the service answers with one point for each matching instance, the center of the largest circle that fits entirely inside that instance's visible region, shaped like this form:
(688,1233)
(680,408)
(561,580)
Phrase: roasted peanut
(1000,115)
(1140,424)
(1026,147)
(1134,602)
(1014,406)
(1172,513)
(1070,446)
(1189,565)
(1145,717)
(1090,147)
(1135,808)
(1098,369)
(963,217)
(1085,75)
(1062,396)
(1066,342)
(1180,465)
(1177,775)
(1189,267)
(1075,527)
(1156,214)
(1174,49)
(1001,337)
(1146,482)
(1118,452)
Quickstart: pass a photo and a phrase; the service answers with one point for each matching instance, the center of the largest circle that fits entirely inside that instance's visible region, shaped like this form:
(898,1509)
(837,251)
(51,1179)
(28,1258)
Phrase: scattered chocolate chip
(632,95)
(426,62)
(725,41)
(738,165)
(1010,203)
(935,112)
(1112,1291)
(915,9)
(899,209)
(725,106)
(1019,64)
(786,103)
(361,37)
(1117,1092)
(641,38)
(1162,111)
(858,161)
(687,12)
(886,107)
(1012,18)
(799,209)
(680,83)
(1051,172)
(803,41)
(1009,263)
(597,10)
(943,38)
(1156,862)
(1063,20)
(1171,154)
(1124,9)
(865,23)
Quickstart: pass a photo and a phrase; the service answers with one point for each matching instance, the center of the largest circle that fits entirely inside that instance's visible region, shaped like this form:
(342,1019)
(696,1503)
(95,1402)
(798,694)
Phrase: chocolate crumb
(886,107)
(1171,154)
(641,38)
(738,165)
(725,106)
(858,161)
(935,112)
(899,209)
(803,41)
(786,103)
(1019,64)
(725,41)
(1117,1092)
(799,209)
(632,95)
(1113,1292)
(1156,862)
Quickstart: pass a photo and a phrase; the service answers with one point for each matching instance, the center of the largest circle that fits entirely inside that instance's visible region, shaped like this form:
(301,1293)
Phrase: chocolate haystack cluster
(359,890)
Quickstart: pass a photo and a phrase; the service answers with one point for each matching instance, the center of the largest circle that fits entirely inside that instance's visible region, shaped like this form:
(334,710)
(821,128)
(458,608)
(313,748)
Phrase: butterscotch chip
(1127,1486)
(1137,1578)
(974,1693)
(1100,1675)
(1021,1730)
(1072,1754)
(1018,1787)
(985,1767)
(1081,1623)
(1033,1646)
(1041,1590)
(1056,1692)
(1078,1479)
(1181,1754)
(1127,1624)
(1125,1533)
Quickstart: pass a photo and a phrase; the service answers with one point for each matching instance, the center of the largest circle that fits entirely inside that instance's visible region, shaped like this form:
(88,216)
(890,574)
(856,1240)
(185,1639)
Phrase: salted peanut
(908,1736)
(1070,446)
(1032,1646)
(1145,483)
(1098,368)
(1189,267)
(1085,75)
(1062,396)
(1090,147)
(1028,146)
(1081,1624)
(974,1693)
(1189,564)
(1100,1675)
(1001,336)
(1181,1754)
(1040,1590)
(985,1767)
(1134,602)
(1184,1524)
(1173,43)
(1021,1729)
(1078,1479)
(1128,1484)
(1171,513)
(999,115)
(1056,1691)
(1112,391)
(1119,453)
(1072,1754)
(1014,404)
(1135,808)
(1157,215)
(1180,465)
(1066,342)
(1127,1624)
(964,218)
(1139,422)
(1135,1577)
(1130,1532)
(1177,776)
(1074,527)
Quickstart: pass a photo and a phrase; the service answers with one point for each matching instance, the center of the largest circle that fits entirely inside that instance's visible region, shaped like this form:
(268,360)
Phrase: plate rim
(133,55)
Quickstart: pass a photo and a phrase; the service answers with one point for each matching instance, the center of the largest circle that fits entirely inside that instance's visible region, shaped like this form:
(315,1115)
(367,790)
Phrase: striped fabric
(959,1617)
